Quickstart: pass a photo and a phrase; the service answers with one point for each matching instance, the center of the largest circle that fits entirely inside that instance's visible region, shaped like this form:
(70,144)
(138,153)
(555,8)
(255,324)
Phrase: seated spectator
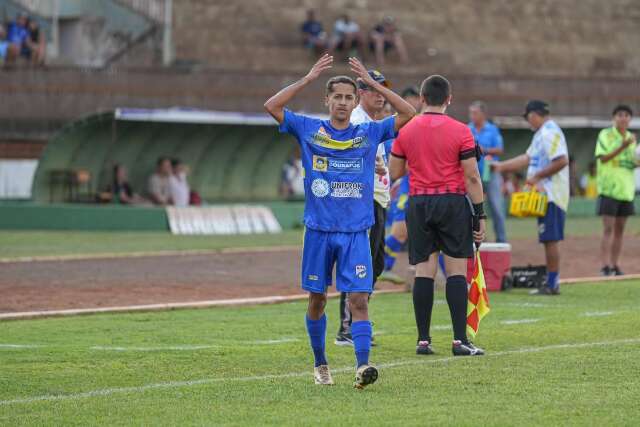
(385,36)
(179,185)
(120,191)
(293,177)
(588,182)
(18,34)
(159,182)
(35,43)
(347,37)
(8,52)
(314,36)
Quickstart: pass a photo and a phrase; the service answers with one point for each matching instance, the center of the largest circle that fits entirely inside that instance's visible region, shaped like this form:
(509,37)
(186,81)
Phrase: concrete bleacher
(498,37)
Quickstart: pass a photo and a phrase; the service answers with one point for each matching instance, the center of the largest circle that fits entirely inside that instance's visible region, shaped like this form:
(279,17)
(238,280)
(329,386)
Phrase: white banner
(224,220)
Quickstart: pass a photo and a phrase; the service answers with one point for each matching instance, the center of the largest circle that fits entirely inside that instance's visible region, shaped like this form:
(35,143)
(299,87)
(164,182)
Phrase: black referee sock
(457,300)
(423,305)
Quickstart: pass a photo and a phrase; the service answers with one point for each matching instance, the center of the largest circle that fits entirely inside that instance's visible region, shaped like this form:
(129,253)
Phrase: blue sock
(552,279)
(391,249)
(441,263)
(317,330)
(361,333)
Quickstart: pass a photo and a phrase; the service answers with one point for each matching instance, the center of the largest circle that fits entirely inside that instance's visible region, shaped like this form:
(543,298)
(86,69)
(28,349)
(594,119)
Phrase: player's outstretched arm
(276,104)
(511,165)
(404,109)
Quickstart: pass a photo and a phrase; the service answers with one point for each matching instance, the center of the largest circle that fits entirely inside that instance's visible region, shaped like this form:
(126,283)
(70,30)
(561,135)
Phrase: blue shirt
(487,137)
(17,34)
(313,28)
(339,167)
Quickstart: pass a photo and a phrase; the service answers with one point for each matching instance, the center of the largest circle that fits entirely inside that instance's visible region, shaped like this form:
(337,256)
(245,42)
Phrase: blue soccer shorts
(551,226)
(349,252)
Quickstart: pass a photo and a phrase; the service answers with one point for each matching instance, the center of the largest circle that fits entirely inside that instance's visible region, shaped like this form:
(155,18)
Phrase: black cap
(537,106)
(377,76)
(410,91)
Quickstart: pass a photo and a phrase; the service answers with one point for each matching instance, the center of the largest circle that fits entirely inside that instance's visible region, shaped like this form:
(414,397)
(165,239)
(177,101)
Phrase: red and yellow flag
(478,304)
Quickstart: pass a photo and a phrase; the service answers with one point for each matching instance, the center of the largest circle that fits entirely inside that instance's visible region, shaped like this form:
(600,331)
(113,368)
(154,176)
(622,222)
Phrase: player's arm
(405,111)
(607,157)
(556,166)
(397,167)
(276,104)
(511,165)
(473,184)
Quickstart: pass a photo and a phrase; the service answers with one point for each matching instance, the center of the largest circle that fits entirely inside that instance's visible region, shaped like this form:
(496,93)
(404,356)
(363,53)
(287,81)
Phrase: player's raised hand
(360,71)
(324,63)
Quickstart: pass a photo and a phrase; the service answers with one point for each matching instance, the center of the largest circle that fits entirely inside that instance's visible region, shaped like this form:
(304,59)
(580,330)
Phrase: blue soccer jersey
(339,169)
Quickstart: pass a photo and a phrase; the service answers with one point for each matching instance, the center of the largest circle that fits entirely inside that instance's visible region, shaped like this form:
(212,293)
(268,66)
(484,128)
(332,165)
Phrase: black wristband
(478,210)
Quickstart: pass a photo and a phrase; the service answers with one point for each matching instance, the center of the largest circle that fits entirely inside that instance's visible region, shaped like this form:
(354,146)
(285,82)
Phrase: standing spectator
(159,182)
(589,183)
(347,37)
(386,36)
(313,34)
(615,153)
(35,43)
(547,159)
(293,177)
(488,136)
(440,154)
(574,184)
(179,185)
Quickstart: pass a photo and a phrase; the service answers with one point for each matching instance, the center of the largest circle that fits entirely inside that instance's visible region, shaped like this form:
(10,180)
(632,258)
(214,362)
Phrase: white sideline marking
(19,346)
(519,321)
(171,306)
(166,348)
(270,342)
(177,384)
(598,313)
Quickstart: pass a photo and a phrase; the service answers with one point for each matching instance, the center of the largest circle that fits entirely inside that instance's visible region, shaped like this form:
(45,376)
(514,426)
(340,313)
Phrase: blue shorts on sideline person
(551,226)
(351,252)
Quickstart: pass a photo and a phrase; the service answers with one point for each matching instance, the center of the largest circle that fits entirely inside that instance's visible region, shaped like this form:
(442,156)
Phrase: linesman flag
(478,304)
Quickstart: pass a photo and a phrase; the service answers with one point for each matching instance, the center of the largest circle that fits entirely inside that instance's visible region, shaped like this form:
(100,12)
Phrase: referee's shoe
(460,348)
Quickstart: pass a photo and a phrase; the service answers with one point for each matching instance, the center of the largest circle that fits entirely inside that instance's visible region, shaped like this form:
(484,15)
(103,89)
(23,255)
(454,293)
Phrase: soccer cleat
(424,348)
(545,290)
(460,348)
(344,339)
(390,276)
(322,375)
(373,341)
(605,271)
(365,375)
(615,271)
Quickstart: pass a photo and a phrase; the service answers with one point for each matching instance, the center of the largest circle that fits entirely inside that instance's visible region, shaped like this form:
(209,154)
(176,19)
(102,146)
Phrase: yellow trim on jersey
(327,142)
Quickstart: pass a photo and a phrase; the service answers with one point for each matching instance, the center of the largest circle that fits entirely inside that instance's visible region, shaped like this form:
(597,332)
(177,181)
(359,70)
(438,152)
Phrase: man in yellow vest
(615,153)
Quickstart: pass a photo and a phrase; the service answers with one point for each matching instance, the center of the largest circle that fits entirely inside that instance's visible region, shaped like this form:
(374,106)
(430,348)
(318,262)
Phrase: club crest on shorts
(361,271)
(320,187)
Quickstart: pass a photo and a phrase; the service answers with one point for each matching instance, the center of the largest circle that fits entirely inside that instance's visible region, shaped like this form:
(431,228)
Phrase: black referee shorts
(441,222)
(376,240)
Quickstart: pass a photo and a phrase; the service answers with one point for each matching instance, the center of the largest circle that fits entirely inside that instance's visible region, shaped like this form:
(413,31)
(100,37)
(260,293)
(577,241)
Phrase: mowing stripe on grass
(519,321)
(194,347)
(598,313)
(20,346)
(179,384)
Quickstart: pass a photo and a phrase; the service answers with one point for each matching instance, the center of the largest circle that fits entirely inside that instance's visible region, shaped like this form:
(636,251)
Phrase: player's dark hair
(341,79)
(435,89)
(622,107)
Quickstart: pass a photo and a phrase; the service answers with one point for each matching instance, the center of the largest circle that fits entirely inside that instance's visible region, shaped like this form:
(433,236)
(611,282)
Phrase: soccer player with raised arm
(339,161)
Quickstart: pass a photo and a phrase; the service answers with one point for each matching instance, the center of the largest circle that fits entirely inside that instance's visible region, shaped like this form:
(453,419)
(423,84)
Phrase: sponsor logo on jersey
(339,165)
(347,189)
(320,187)
(323,140)
(361,271)
(320,163)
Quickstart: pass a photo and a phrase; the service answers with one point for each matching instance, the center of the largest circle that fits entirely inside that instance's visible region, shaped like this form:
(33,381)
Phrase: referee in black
(445,208)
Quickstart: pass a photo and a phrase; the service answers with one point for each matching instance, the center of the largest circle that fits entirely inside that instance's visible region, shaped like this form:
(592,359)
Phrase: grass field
(15,244)
(570,360)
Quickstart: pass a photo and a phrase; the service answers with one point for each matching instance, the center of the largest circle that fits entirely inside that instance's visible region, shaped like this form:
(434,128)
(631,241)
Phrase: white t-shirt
(343,27)
(179,190)
(547,145)
(381,182)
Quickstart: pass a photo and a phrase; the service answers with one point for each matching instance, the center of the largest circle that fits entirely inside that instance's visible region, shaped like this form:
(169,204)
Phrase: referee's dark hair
(622,107)
(435,89)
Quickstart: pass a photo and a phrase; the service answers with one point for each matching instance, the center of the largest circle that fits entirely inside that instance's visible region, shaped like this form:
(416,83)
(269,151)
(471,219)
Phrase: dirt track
(48,285)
